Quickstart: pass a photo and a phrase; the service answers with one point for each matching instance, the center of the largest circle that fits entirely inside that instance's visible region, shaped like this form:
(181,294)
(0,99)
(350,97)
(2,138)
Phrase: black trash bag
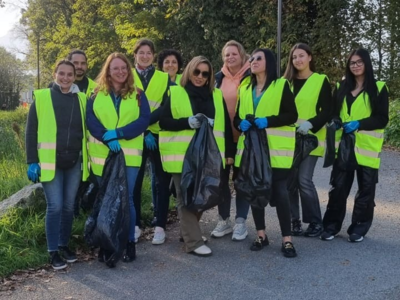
(346,157)
(86,194)
(202,169)
(304,145)
(254,179)
(108,225)
(330,151)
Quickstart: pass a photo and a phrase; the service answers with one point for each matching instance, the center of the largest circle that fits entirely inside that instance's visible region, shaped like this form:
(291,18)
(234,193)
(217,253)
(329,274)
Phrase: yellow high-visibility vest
(47,134)
(306,102)
(155,91)
(174,144)
(281,140)
(91,86)
(369,143)
(105,112)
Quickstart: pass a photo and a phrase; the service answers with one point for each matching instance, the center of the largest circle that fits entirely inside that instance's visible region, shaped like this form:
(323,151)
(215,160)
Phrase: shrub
(392,132)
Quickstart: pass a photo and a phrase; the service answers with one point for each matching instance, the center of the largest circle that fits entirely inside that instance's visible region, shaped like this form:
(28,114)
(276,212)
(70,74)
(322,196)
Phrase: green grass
(12,152)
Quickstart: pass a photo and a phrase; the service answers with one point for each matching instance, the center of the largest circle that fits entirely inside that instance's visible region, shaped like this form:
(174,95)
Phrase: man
(79,59)
(85,84)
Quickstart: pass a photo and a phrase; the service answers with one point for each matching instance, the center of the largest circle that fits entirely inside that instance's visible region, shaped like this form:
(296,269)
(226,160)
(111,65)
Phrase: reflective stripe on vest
(105,112)
(306,102)
(368,145)
(47,134)
(174,144)
(281,140)
(155,91)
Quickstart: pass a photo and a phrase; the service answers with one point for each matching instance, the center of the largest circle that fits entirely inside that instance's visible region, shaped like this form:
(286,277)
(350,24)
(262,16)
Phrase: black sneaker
(355,238)
(56,261)
(130,252)
(313,230)
(259,243)
(288,250)
(67,254)
(296,228)
(326,236)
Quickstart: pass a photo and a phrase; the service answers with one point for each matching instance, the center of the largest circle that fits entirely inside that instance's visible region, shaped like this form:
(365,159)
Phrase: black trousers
(163,180)
(364,201)
(280,199)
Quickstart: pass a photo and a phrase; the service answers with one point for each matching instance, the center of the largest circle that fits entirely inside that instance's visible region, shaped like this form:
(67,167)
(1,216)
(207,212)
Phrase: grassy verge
(12,157)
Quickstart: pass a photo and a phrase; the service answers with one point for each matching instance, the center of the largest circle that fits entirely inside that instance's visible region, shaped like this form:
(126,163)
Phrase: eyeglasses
(255,58)
(122,69)
(204,74)
(358,63)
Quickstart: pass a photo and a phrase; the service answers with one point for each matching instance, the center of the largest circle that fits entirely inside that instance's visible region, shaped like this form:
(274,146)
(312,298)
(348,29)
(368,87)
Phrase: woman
(179,121)
(57,156)
(235,71)
(117,116)
(313,99)
(272,102)
(155,84)
(170,61)
(362,108)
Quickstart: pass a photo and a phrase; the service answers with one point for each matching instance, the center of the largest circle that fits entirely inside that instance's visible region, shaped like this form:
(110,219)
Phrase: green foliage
(392,132)
(12,152)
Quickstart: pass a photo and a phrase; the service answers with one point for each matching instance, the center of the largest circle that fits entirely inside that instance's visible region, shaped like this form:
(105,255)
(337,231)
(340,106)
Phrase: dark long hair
(291,72)
(369,83)
(270,68)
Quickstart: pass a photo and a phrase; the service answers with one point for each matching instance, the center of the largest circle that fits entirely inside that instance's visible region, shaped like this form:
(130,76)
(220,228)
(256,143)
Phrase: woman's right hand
(245,125)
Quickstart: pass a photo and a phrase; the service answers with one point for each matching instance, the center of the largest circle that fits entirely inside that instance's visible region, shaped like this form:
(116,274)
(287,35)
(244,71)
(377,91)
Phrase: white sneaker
(138,233)
(239,230)
(159,236)
(202,251)
(222,228)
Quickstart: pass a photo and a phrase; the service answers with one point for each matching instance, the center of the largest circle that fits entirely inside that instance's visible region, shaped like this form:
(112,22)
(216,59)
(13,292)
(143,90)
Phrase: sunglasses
(255,58)
(204,74)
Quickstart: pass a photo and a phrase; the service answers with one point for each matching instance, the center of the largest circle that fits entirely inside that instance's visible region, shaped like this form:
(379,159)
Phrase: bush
(12,152)
(392,132)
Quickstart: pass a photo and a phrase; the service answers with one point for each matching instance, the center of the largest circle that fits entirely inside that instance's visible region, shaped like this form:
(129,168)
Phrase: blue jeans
(224,209)
(60,197)
(308,194)
(131,175)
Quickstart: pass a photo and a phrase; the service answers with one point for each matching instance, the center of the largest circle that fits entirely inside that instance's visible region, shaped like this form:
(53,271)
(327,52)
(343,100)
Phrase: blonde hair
(242,53)
(191,66)
(104,81)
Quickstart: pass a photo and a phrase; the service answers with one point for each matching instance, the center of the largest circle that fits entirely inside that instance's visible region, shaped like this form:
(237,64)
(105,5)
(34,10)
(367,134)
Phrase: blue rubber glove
(261,123)
(114,146)
(351,126)
(304,128)
(33,172)
(150,141)
(245,125)
(110,135)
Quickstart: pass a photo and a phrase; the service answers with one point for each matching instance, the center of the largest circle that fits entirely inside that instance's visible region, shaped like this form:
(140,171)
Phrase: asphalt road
(322,270)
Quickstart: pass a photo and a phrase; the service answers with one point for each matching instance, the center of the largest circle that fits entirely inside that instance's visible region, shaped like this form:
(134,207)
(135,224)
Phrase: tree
(12,78)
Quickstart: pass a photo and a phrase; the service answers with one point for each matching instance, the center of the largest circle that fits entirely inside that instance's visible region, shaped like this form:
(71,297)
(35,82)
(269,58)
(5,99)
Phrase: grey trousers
(308,194)
(188,220)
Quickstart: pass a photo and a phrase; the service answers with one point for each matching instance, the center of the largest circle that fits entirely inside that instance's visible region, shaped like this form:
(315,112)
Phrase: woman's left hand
(229,161)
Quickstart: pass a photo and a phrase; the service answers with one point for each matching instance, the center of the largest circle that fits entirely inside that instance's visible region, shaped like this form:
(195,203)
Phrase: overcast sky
(9,17)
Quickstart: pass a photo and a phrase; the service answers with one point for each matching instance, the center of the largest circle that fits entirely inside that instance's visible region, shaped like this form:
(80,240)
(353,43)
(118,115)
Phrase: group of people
(148,113)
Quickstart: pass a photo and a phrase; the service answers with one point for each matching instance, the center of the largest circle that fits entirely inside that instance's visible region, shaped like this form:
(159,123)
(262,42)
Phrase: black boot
(56,261)
(130,252)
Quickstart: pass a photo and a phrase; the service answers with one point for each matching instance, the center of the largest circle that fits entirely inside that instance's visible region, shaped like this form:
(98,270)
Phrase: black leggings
(280,199)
